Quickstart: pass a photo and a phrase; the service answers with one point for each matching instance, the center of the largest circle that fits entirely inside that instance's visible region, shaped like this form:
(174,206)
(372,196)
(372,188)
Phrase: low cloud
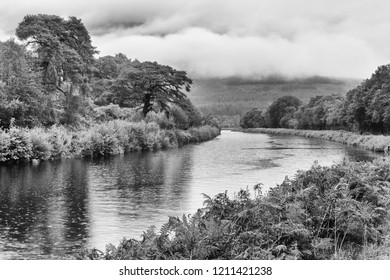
(222,38)
(204,53)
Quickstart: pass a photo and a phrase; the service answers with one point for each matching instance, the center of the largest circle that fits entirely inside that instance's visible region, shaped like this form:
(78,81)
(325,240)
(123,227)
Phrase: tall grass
(107,138)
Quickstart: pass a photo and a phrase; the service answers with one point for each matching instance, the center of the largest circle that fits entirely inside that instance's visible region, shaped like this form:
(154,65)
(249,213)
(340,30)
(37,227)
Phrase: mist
(347,39)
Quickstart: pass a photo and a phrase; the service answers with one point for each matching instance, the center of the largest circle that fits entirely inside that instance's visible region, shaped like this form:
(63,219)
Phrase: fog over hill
(235,95)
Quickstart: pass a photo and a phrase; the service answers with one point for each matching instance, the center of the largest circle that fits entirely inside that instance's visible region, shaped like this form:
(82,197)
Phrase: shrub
(160,119)
(60,141)
(180,118)
(107,138)
(203,133)
(104,141)
(19,146)
(113,112)
(5,142)
(41,148)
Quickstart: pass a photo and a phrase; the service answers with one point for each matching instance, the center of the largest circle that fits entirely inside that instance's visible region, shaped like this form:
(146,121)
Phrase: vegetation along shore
(57,99)
(376,143)
(114,137)
(337,212)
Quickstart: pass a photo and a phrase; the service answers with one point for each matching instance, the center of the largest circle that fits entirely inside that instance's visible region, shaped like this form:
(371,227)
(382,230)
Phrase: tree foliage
(253,118)
(151,85)
(63,47)
(21,94)
(55,78)
(65,58)
(282,110)
(367,106)
(320,113)
(366,109)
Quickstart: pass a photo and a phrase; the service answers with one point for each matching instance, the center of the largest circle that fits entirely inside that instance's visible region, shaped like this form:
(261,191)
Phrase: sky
(224,38)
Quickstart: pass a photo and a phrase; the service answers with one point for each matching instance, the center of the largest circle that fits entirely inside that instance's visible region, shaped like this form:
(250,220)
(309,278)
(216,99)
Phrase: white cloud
(348,38)
(203,53)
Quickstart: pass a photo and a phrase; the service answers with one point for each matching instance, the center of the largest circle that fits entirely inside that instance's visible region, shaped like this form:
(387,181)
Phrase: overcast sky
(220,38)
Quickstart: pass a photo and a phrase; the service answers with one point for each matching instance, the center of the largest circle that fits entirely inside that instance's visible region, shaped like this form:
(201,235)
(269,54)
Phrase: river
(53,209)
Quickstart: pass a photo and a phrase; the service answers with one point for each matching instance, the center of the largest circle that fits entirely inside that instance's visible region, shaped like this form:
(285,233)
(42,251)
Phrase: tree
(320,113)
(21,95)
(107,71)
(283,106)
(366,106)
(64,50)
(194,116)
(151,85)
(253,118)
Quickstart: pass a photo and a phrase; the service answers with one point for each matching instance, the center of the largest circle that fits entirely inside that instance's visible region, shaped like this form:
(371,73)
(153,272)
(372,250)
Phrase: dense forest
(53,84)
(364,109)
(230,98)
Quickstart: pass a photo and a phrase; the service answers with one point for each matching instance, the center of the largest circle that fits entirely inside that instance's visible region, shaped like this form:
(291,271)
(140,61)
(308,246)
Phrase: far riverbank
(376,143)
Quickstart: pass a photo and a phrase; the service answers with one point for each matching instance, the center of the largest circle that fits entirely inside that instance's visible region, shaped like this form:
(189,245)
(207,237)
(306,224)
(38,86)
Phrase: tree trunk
(147,104)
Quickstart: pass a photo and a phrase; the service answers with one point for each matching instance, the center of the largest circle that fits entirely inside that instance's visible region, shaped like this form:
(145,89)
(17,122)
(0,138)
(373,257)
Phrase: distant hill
(235,96)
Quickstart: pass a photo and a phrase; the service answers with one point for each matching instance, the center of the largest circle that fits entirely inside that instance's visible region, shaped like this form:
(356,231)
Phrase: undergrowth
(103,139)
(338,212)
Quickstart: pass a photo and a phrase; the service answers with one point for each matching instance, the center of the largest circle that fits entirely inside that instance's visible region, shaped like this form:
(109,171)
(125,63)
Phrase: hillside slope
(235,96)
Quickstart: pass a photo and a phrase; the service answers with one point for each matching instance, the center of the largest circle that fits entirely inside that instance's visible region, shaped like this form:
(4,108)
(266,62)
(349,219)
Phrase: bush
(19,145)
(60,140)
(107,138)
(180,118)
(160,119)
(113,112)
(104,142)
(203,133)
(41,148)
(5,142)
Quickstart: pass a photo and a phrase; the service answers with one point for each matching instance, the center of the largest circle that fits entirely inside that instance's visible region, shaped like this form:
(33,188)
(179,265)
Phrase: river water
(54,209)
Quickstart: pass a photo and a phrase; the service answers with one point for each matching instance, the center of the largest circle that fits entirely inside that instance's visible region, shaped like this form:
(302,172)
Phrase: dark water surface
(56,208)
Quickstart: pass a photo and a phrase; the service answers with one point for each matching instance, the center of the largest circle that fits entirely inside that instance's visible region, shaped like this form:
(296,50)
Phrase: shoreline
(295,221)
(110,138)
(375,143)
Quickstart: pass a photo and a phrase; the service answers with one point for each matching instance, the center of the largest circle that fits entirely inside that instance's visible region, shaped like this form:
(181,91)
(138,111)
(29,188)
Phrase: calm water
(56,208)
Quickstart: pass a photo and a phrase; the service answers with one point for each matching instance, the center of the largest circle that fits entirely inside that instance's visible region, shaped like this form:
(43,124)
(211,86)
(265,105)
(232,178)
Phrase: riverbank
(376,143)
(103,139)
(338,212)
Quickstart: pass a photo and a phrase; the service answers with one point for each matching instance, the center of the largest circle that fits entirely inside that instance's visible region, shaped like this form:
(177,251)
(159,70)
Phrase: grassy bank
(107,138)
(377,143)
(338,212)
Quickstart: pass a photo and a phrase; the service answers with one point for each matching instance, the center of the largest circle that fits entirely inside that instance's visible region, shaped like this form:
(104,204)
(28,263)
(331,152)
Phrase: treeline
(365,109)
(231,97)
(52,77)
(322,213)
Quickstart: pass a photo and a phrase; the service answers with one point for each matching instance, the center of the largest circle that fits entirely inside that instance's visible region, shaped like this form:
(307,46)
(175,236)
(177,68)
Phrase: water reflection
(56,208)
(143,189)
(43,207)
